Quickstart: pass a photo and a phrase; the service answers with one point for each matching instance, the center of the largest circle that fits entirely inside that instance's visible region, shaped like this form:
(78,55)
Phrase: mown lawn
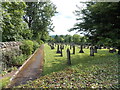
(99,71)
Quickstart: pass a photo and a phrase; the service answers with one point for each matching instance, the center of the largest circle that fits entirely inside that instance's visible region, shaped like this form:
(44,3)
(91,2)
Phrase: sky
(64,19)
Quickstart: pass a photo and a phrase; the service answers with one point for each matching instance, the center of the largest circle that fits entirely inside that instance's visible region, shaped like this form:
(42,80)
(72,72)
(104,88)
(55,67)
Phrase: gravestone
(58,49)
(61,50)
(52,46)
(91,51)
(70,46)
(112,51)
(68,57)
(73,49)
(95,49)
(81,49)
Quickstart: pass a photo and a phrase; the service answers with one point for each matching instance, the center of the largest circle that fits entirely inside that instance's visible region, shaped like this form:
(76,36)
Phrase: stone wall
(7,51)
(4,45)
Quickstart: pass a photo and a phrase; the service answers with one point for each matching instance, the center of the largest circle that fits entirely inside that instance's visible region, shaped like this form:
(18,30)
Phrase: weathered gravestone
(81,49)
(73,49)
(68,57)
(91,51)
(58,49)
(61,50)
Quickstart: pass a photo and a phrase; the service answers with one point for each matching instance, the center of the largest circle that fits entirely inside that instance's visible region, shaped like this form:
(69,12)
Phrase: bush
(27,47)
(19,60)
(35,45)
(40,41)
(7,57)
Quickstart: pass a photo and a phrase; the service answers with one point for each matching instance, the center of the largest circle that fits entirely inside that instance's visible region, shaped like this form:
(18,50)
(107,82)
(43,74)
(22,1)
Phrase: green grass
(4,82)
(99,71)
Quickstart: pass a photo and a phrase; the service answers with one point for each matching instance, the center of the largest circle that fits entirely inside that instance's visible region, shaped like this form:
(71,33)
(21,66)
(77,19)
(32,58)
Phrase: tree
(100,22)
(13,26)
(76,38)
(68,38)
(38,16)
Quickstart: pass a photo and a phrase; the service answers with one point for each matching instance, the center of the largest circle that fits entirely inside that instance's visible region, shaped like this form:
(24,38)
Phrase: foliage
(7,57)
(13,25)
(100,71)
(19,60)
(35,45)
(40,41)
(4,82)
(76,38)
(98,25)
(27,47)
(38,16)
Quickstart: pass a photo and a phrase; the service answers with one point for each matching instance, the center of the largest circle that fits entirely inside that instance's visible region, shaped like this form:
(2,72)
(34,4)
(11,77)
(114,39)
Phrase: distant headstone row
(93,49)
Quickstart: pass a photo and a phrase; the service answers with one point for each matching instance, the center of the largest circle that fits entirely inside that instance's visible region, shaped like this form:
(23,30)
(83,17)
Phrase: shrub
(35,45)
(7,57)
(19,60)
(27,47)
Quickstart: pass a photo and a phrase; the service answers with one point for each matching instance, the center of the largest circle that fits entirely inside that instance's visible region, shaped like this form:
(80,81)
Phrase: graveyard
(64,44)
(85,71)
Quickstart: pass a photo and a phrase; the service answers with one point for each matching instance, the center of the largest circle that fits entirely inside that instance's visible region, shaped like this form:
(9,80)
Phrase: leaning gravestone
(58,49)
(73,49)
(68,57)
(81,49)
(91,51)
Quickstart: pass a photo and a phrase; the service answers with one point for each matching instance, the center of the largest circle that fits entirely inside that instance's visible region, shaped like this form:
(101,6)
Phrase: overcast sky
(64,19)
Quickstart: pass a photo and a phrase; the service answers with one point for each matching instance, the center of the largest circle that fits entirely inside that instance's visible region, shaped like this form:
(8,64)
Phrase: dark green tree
(100,22)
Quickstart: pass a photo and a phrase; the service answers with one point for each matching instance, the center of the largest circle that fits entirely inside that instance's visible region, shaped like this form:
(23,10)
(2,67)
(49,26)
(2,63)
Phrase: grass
(99,71)
(4,82)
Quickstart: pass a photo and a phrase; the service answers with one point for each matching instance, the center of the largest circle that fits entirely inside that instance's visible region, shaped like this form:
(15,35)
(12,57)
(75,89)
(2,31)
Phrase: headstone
(70,46)
(95,49)
(91,51)
(81,49)
(99,47)
(73,49)
(61,52)
(68,57)
(61,47)
(112,51)
(52,47)
(58,49)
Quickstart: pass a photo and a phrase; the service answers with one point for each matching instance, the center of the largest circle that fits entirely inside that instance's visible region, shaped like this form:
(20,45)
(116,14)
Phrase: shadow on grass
(57,56)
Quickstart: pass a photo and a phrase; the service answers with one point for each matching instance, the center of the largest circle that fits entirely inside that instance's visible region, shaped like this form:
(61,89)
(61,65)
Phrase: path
(30,70)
